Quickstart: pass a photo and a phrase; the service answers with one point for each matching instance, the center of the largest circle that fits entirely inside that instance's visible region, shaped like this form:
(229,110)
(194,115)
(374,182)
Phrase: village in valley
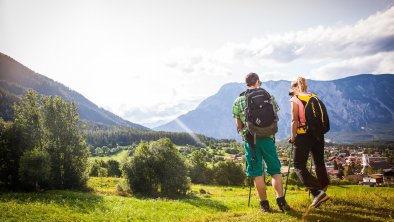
(353,165)
(346,164)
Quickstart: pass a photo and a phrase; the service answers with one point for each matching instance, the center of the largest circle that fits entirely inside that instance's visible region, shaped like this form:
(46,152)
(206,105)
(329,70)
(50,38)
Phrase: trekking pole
(254,158)
(311,173)
(250,190)
(288,170)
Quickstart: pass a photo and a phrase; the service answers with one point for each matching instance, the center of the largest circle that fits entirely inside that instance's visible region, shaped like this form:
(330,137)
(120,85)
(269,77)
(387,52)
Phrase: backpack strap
(304,100)
(265,91)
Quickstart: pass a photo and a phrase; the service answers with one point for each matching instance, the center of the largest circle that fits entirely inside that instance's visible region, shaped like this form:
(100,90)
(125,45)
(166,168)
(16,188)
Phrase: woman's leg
(320,166)
(302,146)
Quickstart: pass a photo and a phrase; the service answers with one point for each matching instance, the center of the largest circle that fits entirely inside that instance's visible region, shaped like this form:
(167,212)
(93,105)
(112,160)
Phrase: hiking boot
(265,206)
(320,198)
(282,204)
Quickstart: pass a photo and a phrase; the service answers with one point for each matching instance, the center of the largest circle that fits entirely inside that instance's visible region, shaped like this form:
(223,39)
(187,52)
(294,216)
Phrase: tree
(139,171)
(171,166)
(229,173)
(28,118)
(50,125)
(25,133)
(35,168)
(157,169)
(98,151)
(10,151)
(65,143)
(95,166)
(114,168)
(105,150)
(198,170)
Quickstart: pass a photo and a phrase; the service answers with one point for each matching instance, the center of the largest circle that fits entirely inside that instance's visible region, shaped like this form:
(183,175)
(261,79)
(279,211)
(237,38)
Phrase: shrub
(231,151)
(95,166)
(102,172)
(113,168)
(34,168)
(157,169)
(229,173)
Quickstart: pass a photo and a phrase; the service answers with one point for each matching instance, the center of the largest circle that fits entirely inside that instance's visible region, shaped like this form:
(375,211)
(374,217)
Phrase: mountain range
(361,108)
(15,79)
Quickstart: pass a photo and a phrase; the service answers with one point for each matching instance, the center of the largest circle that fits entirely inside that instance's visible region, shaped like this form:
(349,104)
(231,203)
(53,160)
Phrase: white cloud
(328,52)
(318,53)
(372,35)
(375,64)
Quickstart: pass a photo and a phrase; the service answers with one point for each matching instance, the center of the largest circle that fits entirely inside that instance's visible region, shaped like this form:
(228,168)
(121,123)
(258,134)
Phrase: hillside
(360,108)
(348,203)
(15,79)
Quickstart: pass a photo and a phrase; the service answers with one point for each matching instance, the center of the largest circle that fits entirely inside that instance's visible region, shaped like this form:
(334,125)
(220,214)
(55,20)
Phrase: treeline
(112,136)
(43,146)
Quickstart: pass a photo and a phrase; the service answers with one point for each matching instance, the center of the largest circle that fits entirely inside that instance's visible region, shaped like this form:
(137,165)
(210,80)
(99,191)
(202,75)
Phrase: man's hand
(291,140)
(243,136)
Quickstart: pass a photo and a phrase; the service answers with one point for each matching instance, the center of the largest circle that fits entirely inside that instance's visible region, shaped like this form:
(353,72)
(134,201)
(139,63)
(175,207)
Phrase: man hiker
(259,142)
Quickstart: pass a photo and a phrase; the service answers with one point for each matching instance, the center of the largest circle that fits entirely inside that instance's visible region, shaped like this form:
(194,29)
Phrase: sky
(151,61)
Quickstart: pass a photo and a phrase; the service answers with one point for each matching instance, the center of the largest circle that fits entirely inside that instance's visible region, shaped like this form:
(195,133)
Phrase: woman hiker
(305,143)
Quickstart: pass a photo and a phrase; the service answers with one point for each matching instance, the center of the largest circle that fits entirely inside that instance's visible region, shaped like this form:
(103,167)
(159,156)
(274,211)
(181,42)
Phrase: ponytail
(301,82)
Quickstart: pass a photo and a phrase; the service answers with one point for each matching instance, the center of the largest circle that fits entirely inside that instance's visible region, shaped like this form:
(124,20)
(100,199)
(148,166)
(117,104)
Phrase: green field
(118,156)
(105,203)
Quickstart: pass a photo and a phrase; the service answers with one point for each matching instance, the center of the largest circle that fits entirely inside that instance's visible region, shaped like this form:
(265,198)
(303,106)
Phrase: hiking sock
(265,206)
(282,204)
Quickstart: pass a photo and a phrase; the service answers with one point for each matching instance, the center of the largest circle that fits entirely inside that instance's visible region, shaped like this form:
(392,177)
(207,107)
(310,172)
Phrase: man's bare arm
(240,125)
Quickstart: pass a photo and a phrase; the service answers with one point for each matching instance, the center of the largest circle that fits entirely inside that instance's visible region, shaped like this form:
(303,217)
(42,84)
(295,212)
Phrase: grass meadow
(118,156)
(205,203)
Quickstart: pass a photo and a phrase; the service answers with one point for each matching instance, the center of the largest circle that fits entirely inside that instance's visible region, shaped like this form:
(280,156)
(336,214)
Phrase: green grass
(348,203)
(118,156)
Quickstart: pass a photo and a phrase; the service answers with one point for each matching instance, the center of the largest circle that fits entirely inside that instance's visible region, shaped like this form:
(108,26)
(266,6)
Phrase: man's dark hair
(251,79)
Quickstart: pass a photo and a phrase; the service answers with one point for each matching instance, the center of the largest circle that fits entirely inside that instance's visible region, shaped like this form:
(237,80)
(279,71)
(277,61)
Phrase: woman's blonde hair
(301,82)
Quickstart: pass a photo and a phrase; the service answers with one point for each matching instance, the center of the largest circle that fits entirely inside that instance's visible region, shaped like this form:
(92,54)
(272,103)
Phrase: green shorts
(265,149)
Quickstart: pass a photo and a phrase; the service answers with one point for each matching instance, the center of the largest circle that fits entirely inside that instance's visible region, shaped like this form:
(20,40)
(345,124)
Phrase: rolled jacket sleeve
(275,104)
(237,111)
